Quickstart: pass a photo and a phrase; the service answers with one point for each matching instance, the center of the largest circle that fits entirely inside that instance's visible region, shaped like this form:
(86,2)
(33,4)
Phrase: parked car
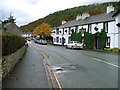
(43,42)
(38,41)
(35,40)
(74,44)
(29,39)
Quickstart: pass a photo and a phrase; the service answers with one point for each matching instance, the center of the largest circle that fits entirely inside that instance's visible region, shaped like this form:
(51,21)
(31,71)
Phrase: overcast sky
(26,11)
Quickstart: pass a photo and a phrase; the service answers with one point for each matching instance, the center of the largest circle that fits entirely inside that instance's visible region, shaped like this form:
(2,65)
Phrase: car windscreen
(44,41)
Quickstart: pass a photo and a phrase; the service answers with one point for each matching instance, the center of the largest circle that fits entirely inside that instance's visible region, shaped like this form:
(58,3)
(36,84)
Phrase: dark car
(35,40)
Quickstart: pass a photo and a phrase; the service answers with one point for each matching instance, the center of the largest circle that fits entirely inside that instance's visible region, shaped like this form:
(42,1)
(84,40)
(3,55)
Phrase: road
(80,68)
(70,68)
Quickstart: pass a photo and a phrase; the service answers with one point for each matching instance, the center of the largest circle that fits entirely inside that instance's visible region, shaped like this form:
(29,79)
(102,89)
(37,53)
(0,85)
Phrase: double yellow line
(58,83)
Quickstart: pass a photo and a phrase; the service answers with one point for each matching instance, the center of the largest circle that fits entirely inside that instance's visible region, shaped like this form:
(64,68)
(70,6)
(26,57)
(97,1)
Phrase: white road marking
(106,62)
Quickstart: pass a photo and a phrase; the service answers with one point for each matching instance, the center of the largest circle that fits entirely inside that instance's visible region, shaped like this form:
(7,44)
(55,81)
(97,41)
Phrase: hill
(54,19)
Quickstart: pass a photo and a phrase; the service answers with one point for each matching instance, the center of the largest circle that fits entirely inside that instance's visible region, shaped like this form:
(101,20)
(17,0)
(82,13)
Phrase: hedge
(11,43)
(102,39)
(89,40)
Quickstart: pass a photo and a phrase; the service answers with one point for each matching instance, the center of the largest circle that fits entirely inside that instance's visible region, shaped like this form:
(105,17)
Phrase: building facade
(108,21)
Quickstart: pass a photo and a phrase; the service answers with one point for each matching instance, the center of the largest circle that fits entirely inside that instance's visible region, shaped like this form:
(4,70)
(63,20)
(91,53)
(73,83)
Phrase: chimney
(63,22)
(110,8)
(79,17)
(84,15)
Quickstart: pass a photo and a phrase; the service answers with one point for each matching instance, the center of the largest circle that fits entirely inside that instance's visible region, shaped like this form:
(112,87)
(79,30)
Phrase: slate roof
(105,17)
(117,12)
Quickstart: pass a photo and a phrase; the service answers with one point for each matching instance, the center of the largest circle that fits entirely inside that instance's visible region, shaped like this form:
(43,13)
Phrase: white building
(109,21)
(26,34)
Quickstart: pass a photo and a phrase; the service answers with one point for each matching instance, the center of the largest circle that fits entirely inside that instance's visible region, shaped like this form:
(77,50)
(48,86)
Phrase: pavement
(28,72)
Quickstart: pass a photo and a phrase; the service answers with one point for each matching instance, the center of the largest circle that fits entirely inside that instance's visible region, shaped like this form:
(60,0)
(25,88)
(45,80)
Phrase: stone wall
(8,62)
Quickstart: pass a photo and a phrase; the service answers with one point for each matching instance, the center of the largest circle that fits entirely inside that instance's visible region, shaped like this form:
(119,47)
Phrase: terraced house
(109,21)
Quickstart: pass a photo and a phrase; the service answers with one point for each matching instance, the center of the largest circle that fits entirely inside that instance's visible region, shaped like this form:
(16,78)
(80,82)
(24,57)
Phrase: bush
(116,50)
(102,39)
(11,43)
(76,37)
(89,40)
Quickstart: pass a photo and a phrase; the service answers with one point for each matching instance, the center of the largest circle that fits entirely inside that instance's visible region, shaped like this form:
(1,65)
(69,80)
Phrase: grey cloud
(20,16)
(4,14)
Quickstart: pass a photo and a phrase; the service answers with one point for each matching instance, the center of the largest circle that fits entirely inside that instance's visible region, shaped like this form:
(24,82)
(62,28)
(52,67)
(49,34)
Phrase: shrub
(116,50)
(89,40)
(11,43)
(76,37)
(102,39)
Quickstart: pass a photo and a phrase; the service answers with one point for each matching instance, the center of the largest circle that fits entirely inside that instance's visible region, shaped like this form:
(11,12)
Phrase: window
(69,30)
(66,31)
(72,30)
(54,39)
(69,39)
(108,42)
(76,29)
(63,31)
(89,28)
(60,40)
(57,31)
(105,26)
(57,39)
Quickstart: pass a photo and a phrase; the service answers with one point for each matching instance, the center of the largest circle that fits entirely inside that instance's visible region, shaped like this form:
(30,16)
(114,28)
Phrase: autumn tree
(95,12)
(43,30)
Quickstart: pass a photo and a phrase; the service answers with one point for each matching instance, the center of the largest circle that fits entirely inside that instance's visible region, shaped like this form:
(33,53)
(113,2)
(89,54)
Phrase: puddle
(58,69)
(66,68)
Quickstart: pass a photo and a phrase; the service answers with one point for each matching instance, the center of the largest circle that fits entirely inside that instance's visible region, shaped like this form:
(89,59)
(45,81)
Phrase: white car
(74,44)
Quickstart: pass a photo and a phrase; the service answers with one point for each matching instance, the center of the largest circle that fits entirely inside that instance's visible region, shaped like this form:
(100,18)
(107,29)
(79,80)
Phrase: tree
(95,12)
(43,30)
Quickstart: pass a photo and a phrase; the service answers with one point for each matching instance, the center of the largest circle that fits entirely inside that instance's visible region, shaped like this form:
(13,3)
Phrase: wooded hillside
(54,19)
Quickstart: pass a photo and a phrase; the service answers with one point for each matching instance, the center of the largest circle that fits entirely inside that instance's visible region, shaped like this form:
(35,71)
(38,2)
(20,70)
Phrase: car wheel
(66,47)
(72,47)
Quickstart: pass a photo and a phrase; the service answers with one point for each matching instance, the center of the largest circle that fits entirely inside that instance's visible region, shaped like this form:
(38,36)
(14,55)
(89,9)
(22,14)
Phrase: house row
(109,21)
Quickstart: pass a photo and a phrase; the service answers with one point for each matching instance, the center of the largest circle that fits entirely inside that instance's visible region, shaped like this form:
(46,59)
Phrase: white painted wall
(117,29)
(113,32)
(98,25)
